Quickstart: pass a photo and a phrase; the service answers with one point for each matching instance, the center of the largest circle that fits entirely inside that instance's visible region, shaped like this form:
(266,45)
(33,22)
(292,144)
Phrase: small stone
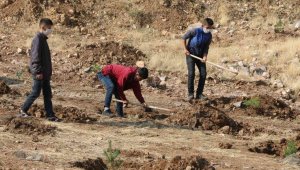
(238,104)
(178,104)
(225,129)
(188,168)
(297,25)
(20,154)
(241,132)
(88,69)
(20,51)
(35,157)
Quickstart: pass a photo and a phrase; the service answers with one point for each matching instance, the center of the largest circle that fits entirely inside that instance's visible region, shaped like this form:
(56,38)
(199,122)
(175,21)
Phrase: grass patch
(291,148)
(253,102)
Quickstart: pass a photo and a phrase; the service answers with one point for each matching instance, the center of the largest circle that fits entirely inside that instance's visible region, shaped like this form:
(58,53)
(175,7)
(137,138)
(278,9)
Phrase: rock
(20,154)
(35,157)
(241,132)
(241,64)
(164,32)
(245,71)
(20,51)
(297,25)
(266,75)
(225,145)
(177,104)
(238,104)
(277,84)
(88,69)
(225,129)
(84,30)
(260,70)
(188,168)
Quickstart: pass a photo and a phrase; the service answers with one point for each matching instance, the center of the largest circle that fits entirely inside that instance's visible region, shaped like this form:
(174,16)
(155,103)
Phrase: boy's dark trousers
(191,63)
(38,86)
(111,89)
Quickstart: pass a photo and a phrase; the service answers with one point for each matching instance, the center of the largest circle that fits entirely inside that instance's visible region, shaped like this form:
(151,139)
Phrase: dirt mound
(141,113)
(29,126)
(67,114)
(269,106)
(275,148)
(192,162)
(208,118)
(4,89)
(104,53)
(90,164)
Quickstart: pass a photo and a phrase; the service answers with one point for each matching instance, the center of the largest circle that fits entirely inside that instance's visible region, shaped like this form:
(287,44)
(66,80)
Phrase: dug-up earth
(223,132)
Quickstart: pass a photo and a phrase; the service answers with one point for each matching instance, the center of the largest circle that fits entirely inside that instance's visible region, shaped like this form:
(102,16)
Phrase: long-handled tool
(151,107)
(216,65)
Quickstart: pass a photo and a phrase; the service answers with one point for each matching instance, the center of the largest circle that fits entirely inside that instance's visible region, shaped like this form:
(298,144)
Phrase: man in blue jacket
(41,70)
(196,42)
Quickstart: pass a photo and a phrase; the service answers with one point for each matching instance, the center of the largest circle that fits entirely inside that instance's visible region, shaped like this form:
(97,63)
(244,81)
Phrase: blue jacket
(199,41)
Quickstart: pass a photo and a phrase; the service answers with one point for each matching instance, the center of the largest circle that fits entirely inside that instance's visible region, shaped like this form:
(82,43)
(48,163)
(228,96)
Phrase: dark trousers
(38,86)
(111,89)
(191,63)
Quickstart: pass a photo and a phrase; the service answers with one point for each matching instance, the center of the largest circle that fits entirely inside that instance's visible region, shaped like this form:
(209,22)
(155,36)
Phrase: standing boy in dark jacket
(117,79)
(41,70)
(198,43)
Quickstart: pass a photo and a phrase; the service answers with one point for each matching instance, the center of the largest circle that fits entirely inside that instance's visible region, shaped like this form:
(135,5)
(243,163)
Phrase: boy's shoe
(53,119)
(22,114)
(201,97)
(107,113)
(190,98)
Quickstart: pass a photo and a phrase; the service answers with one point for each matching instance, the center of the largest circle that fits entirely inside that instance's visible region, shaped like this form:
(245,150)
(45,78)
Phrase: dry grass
(280,57)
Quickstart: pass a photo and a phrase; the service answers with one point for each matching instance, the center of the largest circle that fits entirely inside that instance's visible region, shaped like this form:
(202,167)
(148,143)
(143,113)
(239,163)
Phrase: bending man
(117,79)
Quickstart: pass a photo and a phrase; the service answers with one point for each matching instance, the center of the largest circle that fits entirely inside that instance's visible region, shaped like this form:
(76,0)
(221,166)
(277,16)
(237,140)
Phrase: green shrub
(253,102)
(112,157)
(279,27)
(291,148)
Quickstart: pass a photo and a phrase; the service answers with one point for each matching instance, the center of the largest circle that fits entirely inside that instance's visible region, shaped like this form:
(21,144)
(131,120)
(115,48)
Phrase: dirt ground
(220,133)
(210,134)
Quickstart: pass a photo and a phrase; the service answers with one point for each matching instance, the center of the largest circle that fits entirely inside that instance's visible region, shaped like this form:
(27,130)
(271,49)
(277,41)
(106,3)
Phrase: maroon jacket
(125,79)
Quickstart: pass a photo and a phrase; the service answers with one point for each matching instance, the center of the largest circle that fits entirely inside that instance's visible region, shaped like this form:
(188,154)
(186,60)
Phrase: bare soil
(29,126)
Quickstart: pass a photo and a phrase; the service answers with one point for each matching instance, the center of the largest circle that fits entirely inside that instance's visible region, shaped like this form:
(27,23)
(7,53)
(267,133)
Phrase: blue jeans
(191,63)
(111,89)
(38,86)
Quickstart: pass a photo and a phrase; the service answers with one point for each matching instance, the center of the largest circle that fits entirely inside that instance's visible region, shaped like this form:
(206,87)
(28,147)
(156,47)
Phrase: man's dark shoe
(53,119)
(22,114)
(108,113)
(120,115)
(201,97)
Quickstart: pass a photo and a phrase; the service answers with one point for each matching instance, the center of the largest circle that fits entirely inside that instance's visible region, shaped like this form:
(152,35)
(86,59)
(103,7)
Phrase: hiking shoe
(107,113)
(201,97)
(22,114)
(53,119)
(190,98)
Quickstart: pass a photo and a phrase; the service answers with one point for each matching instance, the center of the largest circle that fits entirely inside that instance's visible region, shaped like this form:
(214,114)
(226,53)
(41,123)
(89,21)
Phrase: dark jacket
(199,41)
(124,78)
(40,62)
